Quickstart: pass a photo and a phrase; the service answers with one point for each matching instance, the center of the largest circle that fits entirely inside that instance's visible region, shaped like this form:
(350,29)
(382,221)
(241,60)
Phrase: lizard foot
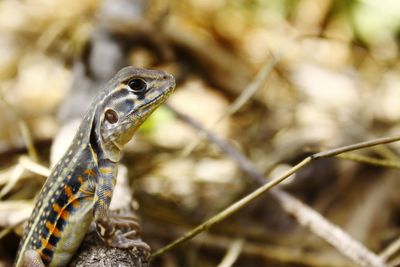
(126,234)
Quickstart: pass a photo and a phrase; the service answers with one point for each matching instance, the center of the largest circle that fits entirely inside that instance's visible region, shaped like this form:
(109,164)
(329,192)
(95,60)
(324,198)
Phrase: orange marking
(46,244)
(49,226)
(65,215)
(56,232)
(68,191)
(53,229)
(80,179)
(49,246)
(89,172)
(56,208)
(75,204)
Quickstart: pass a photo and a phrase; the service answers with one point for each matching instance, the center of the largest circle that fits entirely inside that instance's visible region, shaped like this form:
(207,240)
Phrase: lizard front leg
(116,231)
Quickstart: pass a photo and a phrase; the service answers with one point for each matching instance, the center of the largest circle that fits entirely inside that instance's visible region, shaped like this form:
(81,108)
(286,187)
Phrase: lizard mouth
(155,100)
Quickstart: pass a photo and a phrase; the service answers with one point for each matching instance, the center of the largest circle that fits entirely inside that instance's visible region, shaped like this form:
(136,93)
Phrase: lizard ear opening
(111,116)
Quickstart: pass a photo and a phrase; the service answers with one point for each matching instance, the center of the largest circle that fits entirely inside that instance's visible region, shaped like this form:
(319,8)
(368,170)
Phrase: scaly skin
(80,186)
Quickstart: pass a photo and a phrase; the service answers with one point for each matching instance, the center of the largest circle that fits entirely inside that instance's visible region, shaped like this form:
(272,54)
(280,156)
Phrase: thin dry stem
(391,249)
(233,253)
(369,160)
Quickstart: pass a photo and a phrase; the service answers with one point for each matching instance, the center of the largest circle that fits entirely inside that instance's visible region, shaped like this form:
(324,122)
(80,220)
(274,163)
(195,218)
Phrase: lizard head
(130,97)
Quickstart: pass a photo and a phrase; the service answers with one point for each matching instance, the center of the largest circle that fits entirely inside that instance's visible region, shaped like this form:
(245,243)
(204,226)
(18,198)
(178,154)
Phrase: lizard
(79,188)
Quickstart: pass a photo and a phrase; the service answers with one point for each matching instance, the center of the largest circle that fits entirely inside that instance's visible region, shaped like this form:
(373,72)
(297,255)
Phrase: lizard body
(79,187)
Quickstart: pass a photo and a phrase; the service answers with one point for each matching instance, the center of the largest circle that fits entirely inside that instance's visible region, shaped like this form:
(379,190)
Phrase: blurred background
(278,79)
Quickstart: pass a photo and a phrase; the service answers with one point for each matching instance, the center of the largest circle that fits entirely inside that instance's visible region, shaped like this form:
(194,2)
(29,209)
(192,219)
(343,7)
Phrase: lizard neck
(103,150)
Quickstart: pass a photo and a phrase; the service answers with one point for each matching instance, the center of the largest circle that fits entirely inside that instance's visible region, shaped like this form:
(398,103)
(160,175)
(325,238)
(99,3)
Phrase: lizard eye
(138,86)
(111,116)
